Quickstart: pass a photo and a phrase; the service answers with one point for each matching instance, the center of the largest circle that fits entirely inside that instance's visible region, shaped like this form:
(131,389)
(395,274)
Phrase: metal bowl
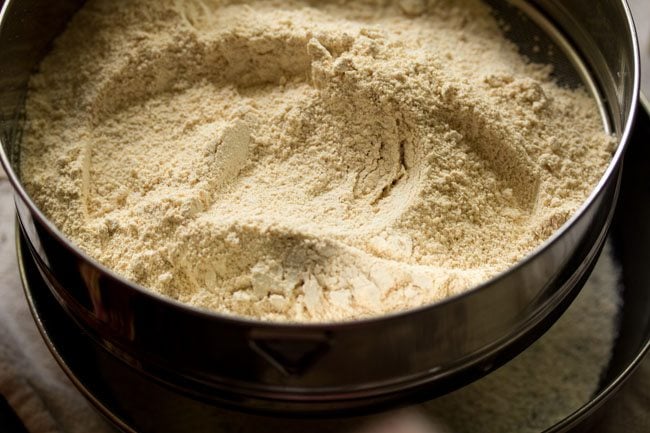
(137,404)
(350,366)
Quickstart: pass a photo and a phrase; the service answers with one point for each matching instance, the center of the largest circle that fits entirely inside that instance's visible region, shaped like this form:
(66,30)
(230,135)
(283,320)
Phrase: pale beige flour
(304,161)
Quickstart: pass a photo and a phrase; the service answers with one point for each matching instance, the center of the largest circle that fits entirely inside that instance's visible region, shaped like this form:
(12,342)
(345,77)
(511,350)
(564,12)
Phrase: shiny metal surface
(329,367)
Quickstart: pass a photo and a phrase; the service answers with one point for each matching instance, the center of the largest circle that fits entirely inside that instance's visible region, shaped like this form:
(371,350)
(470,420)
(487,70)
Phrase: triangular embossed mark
(292,355)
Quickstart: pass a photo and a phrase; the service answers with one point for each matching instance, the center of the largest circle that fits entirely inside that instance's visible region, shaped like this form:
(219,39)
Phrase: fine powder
(551,379)
(304,161)
(556,376)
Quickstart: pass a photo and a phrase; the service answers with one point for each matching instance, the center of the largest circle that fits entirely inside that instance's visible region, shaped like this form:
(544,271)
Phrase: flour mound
(299,161)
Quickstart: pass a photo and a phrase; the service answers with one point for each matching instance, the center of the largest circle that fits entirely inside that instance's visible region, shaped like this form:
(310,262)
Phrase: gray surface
(641,13)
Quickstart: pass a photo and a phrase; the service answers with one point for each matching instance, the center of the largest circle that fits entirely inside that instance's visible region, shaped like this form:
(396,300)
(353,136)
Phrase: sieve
(357,365)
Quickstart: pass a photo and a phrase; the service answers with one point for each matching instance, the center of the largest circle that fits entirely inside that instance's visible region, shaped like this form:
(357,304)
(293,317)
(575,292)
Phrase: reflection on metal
(210,356)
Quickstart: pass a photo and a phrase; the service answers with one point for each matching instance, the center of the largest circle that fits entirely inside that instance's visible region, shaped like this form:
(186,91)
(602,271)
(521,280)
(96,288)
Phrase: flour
(543,386)
(551,379)
(300,161)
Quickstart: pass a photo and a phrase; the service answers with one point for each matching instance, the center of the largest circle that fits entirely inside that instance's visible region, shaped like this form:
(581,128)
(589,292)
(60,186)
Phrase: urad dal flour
(304,161)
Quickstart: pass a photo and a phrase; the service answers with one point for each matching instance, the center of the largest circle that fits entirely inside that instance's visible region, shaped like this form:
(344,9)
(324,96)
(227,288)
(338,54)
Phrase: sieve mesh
(541,42)
(537,40)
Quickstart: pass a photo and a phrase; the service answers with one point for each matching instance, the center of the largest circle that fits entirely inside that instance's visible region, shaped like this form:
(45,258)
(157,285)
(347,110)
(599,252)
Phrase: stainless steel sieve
(357,365)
